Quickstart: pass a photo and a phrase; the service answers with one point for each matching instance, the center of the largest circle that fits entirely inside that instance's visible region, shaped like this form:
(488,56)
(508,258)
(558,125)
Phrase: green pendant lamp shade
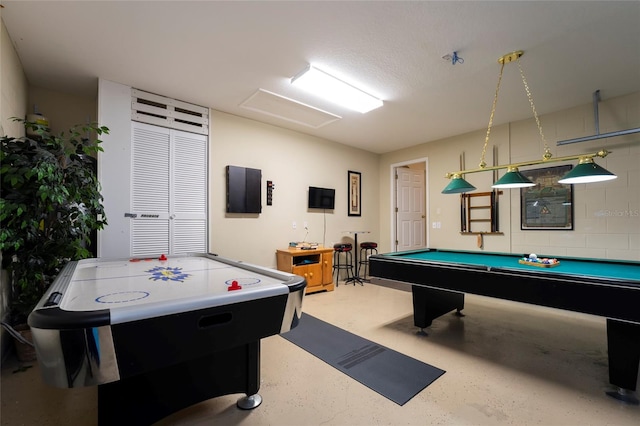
(458,185)
(586,172)
(512,179)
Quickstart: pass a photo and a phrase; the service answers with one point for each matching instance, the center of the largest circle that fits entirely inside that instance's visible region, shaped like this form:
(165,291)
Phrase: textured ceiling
(219,53)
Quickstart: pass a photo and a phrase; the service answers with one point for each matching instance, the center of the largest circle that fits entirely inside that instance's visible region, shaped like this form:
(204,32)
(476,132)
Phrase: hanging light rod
(546,159)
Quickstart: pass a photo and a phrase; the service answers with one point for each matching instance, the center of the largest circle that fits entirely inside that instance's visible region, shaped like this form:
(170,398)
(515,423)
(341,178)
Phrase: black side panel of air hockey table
(147,398)
(155,343)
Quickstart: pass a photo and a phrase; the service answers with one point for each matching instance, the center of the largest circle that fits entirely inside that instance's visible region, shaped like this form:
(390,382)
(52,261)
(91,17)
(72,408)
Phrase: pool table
(608,288)
(156,335)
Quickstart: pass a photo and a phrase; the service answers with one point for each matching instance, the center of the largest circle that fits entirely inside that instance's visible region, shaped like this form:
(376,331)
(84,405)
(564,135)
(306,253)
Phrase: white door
(188,221)
(168,191)
(410,209)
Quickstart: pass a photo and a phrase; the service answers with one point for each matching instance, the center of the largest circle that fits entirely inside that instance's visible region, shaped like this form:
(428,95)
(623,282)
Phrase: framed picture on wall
(549,204)
(354,190)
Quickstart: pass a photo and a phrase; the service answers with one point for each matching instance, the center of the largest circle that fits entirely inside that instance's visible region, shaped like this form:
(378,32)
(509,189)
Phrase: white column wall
(114,111)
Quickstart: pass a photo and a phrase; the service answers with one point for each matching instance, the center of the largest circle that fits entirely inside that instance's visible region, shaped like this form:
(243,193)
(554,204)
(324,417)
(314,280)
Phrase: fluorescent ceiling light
(332,89)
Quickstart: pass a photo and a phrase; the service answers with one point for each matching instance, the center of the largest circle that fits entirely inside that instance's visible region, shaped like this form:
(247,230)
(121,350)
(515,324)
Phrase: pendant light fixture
(458,185)
(512,179)
(586,172)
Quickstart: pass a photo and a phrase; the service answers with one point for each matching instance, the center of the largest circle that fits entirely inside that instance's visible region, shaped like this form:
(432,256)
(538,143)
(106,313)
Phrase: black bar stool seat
(367,249)
(343,260)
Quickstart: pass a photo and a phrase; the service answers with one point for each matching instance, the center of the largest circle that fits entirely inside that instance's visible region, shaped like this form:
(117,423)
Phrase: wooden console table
(315,265)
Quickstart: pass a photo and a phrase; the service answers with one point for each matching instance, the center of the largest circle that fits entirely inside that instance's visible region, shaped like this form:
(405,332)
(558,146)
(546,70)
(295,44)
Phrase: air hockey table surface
(135,289)
(194,296)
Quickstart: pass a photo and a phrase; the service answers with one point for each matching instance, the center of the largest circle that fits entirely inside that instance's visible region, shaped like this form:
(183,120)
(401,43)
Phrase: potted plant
(50,204)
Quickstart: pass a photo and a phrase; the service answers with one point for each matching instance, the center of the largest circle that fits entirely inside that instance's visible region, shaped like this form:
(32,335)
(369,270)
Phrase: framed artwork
(354,190)
(549,204)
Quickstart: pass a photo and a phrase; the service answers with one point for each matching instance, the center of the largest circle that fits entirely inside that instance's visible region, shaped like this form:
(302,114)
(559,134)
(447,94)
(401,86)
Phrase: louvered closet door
(169,182)
(188,221)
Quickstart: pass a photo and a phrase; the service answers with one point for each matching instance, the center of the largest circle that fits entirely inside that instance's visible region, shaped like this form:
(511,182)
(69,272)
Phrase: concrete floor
(506,363)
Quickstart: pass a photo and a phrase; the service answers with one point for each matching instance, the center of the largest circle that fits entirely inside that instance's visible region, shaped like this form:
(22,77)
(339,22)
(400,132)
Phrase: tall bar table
(356,277)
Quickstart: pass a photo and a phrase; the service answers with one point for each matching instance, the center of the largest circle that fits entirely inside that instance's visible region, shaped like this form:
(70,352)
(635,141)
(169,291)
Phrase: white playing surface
(147,288)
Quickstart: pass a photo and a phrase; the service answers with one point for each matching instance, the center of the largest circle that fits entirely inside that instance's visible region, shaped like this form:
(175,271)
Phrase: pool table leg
(429,304)
(623,340)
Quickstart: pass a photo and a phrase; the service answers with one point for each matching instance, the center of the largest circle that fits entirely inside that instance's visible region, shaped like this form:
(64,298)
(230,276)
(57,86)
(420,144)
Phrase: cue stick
(496,205)
(463,219)
(463,216)
(493,211)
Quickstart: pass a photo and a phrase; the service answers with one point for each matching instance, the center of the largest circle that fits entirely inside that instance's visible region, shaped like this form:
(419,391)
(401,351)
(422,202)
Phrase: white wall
(13,103)
(607,215)
(62,109)
(293,161)
(114,111)
(13,87)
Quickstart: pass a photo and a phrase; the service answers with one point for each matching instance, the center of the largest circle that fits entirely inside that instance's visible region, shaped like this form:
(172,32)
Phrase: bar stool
(343,260)
(367,249)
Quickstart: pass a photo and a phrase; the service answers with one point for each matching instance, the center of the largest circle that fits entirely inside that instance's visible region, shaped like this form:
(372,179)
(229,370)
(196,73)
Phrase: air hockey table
(158,335)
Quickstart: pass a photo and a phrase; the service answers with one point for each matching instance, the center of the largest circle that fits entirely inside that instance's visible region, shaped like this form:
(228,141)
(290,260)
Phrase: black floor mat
(390,373)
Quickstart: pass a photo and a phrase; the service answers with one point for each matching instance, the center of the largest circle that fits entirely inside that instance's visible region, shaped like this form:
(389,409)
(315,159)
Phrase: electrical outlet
(294,225)
(306,225)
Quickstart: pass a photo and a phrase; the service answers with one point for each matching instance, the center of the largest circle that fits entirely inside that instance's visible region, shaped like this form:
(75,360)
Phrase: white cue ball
(533,256)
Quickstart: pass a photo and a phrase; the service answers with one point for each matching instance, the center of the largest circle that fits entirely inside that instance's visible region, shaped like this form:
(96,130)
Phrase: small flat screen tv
(322,198)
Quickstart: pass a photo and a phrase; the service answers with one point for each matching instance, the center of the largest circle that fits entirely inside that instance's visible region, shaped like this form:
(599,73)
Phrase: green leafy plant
(50,203)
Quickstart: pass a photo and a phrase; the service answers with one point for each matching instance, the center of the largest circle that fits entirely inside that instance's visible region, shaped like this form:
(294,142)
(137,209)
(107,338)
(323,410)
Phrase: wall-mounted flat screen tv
(322,198)
(244,190)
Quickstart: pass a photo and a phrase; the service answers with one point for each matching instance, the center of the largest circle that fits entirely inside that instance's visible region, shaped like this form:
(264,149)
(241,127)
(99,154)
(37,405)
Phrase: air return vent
(154,109)
(284,108)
